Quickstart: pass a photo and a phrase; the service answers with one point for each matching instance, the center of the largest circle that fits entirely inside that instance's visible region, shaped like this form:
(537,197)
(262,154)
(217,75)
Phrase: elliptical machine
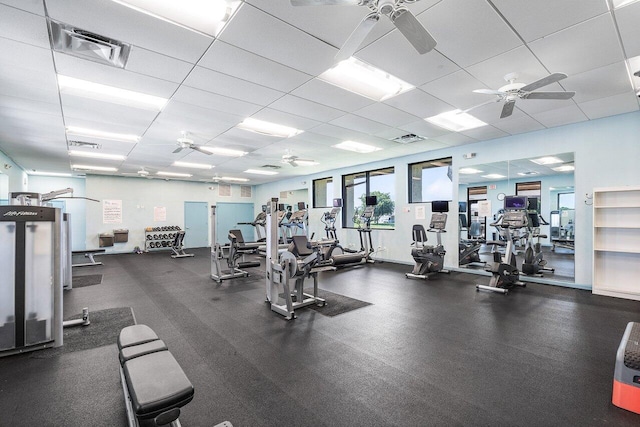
(429,259)
(468,249)
(534,264)
(504,271)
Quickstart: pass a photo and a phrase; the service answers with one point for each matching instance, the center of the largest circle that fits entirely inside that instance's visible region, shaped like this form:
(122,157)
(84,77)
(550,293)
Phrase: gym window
(430,180)
(356,187)
(323,193)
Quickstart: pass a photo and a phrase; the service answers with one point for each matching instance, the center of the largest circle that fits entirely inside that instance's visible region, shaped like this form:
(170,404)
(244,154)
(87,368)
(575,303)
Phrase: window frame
(367,183)
(313,191)
(410,178)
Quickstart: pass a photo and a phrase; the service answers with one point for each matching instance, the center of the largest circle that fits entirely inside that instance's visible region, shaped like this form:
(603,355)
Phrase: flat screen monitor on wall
(514,203)
(371,200)
(440,206)
(337,203)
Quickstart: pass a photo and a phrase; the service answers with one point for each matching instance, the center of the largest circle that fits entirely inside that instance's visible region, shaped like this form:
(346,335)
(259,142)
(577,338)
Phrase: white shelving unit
(616,242)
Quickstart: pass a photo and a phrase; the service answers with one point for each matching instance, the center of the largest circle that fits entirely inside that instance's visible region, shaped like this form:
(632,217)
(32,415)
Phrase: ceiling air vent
(85,144)
(408,139)
(270,167)
(87,45)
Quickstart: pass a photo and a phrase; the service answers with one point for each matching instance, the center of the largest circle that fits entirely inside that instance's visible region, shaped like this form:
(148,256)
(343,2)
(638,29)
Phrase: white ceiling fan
(185,142)
(513,91)
(296,161)
(400,16)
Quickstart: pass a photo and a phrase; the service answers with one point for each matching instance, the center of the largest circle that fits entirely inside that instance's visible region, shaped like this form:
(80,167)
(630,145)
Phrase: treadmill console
(438,221)
(514,219)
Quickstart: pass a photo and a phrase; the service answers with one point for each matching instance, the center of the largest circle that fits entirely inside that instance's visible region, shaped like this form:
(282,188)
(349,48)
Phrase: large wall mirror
(548,184)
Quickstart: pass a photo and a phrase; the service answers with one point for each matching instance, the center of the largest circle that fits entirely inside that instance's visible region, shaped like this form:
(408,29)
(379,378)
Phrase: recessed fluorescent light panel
(92,133)
(564,168)
(358,147)
(93,155)
(86,89)
(365,80)
(223,151)
(305,162)
(456,121)
(202,16)
(469,171)
(174,174)
(192,165)
(493,176)
(94,168)
(549,160)
(268,128)
(619,3)
(260,172)
(527,173)
(230,178)
(49,173)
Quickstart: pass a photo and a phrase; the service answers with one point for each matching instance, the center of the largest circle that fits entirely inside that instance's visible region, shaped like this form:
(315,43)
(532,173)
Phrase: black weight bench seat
(134,351)
(156,384)
(135,335)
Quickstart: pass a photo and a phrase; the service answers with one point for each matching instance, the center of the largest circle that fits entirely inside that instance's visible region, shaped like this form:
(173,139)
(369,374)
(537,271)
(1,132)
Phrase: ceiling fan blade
(199,148)
(293,163)
(550,95)
(357,37)
(490,92)
(551,78)
(323,2)
(507,110)
(480,105)
(412,29)
(177,150)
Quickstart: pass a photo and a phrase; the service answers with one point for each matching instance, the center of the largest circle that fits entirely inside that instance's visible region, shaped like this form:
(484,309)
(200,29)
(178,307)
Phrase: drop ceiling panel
(360,124)
(393,52)
(95,123)
(266,35)
(468,32)
(244,138)
(106,112)
(422,147)
(286,119)
(419,103)
(423,128)
(154,64)
(490,113)
(609,106)
(25,55)
(628,18)
(386,114)
(518,124)
(10,102)
(485,133)
(222,84)
(599,83)
(28,83)
(317,140)
(535,19)
(187,112)
(305,108)
(344,134)
(33,6)
(324,93)
(115,21)
(456,89)
(16,24)
(454,139)
(561,116)
(71,66)
(213,101)
(588,45)
(233,61)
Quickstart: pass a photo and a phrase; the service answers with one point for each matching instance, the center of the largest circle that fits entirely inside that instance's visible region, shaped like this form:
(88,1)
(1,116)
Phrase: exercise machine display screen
(371,200)
(440,206)
(533,203)
(513,203)
(301,206)
(337,203)
(281,207)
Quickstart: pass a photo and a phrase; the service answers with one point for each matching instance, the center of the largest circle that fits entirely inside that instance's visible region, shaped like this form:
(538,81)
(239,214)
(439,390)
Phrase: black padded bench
(88,253)
(155,386)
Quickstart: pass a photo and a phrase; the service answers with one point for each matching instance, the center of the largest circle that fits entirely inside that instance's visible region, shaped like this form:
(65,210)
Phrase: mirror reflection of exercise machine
(469,248)
(563,229)
(259,224)
(336,254)
(429,259)
(534,263)
(504,270)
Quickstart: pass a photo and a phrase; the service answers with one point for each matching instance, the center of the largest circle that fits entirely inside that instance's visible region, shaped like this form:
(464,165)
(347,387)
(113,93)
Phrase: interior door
(196,224)
(228,215)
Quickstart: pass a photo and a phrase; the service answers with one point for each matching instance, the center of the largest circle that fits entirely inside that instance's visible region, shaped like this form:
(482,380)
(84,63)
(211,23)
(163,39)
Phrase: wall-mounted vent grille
(271,167)
(245,191)
(224,190)
(87,45)
(408,139)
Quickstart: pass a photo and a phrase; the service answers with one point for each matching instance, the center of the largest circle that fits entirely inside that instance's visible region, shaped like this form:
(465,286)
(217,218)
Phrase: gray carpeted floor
(87,280)
(336,304)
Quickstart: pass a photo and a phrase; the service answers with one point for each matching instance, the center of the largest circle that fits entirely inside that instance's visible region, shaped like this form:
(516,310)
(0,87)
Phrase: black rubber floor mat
(103,330)
(88,280)
(336,303)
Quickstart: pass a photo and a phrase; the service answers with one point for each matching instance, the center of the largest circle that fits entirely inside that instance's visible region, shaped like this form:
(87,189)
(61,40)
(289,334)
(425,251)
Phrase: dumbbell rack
(158,238)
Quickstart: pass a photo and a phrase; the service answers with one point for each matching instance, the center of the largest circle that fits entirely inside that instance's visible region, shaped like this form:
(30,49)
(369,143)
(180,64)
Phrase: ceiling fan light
(260,172)
(100,92)
(192,165)
(365,80)
(223,151)
(548,160)
(89,154)
(268,128)
(174,174)
(358,147)
(92,133)
(456,121)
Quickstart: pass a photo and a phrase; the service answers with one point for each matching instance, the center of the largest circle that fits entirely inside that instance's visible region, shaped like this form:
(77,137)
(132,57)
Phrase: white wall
(607,152)
(139,197)
(17,178)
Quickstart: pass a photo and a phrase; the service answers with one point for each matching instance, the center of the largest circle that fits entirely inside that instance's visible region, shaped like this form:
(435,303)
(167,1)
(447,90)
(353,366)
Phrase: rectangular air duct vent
(408,139)
(87,45)
(85,144)
(270,167)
